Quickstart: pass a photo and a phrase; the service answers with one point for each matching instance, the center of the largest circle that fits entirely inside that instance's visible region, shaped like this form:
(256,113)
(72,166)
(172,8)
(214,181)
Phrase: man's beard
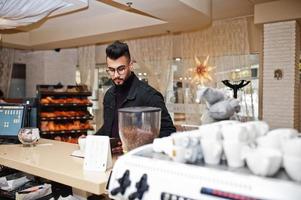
(118,81)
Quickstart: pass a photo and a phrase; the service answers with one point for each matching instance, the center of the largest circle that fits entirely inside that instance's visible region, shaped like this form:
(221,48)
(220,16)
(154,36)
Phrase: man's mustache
(116,79)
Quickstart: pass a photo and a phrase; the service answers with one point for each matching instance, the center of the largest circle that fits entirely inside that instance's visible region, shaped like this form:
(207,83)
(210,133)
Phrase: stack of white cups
(183,147)
(235,139)
(211,142)
(266,158)
(263,150)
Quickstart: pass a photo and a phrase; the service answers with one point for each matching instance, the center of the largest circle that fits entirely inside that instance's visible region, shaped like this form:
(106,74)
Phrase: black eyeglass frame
(120,70)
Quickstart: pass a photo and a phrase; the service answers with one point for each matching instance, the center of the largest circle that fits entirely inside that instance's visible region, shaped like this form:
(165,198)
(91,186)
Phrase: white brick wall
(281,98)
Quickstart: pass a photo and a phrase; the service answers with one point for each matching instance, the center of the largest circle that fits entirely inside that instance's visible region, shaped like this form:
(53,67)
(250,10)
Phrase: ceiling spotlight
(129,4)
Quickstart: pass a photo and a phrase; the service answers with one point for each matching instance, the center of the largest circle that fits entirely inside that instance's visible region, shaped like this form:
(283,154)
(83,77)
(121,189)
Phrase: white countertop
(51,159)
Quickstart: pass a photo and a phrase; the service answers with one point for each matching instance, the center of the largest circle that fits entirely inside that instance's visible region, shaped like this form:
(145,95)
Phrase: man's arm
(101,131)
(167,127)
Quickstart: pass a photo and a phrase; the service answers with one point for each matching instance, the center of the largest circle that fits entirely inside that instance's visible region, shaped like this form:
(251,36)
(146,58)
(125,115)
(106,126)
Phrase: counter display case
(62,112)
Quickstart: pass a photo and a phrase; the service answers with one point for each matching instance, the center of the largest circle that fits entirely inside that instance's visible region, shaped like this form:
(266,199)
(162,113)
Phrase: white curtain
(6,66)
(224,37)
(14,13)
(155,56)
(227,44)
(86,62)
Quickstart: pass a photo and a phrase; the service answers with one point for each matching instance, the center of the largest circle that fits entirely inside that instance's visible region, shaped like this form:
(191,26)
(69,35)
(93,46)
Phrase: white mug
(257,128)
(178,154)
(233,151)
(263,161)
(268,142)
(277,137)
(292,165)
(292,147)
(235,132)
(212,151)
(210,131)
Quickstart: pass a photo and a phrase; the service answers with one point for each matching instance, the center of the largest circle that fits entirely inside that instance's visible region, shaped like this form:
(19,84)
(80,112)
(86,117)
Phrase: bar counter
(51,159)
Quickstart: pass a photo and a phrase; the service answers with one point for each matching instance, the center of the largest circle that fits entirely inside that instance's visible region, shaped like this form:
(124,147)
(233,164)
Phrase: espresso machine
(145,174)
(159,171)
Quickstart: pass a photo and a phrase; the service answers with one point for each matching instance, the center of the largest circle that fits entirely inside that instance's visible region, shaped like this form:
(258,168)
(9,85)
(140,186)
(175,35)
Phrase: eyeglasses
(120,70)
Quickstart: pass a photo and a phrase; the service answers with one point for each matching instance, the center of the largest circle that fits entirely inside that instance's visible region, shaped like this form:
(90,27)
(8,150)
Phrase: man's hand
(116,146)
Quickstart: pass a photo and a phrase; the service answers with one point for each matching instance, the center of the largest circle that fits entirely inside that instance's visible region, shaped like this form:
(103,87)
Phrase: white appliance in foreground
(144,174)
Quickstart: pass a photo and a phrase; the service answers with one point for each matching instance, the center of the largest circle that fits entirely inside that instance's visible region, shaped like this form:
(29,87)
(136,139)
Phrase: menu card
(98,155)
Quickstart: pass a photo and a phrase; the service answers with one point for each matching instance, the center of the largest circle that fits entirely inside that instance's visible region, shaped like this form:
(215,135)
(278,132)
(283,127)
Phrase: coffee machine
(145,174)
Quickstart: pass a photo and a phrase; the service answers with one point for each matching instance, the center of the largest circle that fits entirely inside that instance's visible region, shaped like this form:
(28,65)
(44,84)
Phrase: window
(187,109)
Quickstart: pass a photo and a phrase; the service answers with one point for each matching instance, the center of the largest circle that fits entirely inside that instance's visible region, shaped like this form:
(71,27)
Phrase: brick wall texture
(281,98)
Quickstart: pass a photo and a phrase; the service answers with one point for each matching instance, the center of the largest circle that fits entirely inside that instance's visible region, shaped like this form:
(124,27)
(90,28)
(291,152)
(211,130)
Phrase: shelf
(87,117)
(52,93)
(65,132)
(64,108)
(66,105)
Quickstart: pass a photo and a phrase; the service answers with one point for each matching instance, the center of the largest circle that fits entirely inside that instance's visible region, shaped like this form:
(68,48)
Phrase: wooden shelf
(53,93)
(64,132)
(62,104)
(86,117)
(66,105)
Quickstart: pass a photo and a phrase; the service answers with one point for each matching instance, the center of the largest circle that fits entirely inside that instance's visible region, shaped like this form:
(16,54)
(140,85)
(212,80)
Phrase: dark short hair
(118,49)
(1,94)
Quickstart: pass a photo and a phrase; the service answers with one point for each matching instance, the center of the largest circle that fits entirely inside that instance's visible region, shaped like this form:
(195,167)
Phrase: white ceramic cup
(268,142)
(292,147)
(224,123)
(163,145)
(194,155)
(257,128)
(233,152)
(283,133)
(277,137)
(82,144)
(178,154)
(235,132)
(181,140)
(263,161)
(212,151)
(292,165)
(210,131)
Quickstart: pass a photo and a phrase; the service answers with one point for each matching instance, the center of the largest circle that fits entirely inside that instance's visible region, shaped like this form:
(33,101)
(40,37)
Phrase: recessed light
(129,4)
